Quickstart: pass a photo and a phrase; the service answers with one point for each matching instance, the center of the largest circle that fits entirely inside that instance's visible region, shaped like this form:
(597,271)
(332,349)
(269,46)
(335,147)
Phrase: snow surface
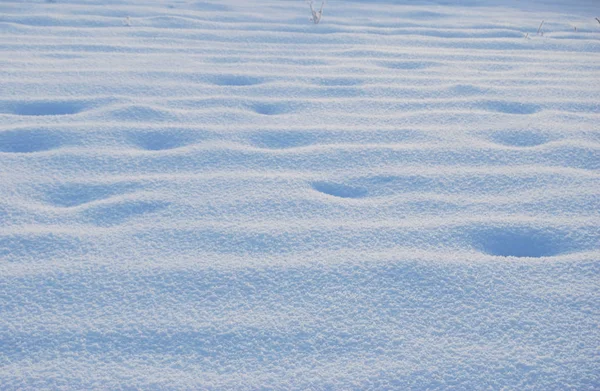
(223,195)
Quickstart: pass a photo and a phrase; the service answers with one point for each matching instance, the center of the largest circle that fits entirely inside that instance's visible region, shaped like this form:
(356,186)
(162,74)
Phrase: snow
(224,195)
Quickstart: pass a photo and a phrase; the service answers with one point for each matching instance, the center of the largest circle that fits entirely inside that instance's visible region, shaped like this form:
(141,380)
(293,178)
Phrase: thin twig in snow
(540,28)
(316,15)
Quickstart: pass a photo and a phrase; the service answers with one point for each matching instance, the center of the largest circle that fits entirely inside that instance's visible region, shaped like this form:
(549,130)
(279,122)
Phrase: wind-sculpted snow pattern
(224,195)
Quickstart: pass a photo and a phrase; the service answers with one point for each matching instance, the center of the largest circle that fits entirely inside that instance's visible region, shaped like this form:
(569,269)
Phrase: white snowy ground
(222,195)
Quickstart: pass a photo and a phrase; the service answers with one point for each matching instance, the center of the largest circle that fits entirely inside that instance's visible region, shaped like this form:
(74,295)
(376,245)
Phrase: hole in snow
(282,140)
(518,138)
(74,194)
(235,80)
(339,190)
(511,107)
(162,139)
(271,108)
(521,242)
(47,108)
(26,141)
(408,65)
(123,211)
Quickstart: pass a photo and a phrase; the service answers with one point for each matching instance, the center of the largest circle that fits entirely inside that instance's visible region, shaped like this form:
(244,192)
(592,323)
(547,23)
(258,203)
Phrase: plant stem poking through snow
(540,29)
(316,15)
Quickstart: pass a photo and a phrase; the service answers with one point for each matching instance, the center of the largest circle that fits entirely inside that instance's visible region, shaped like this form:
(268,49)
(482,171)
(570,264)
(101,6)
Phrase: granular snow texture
(223,195)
